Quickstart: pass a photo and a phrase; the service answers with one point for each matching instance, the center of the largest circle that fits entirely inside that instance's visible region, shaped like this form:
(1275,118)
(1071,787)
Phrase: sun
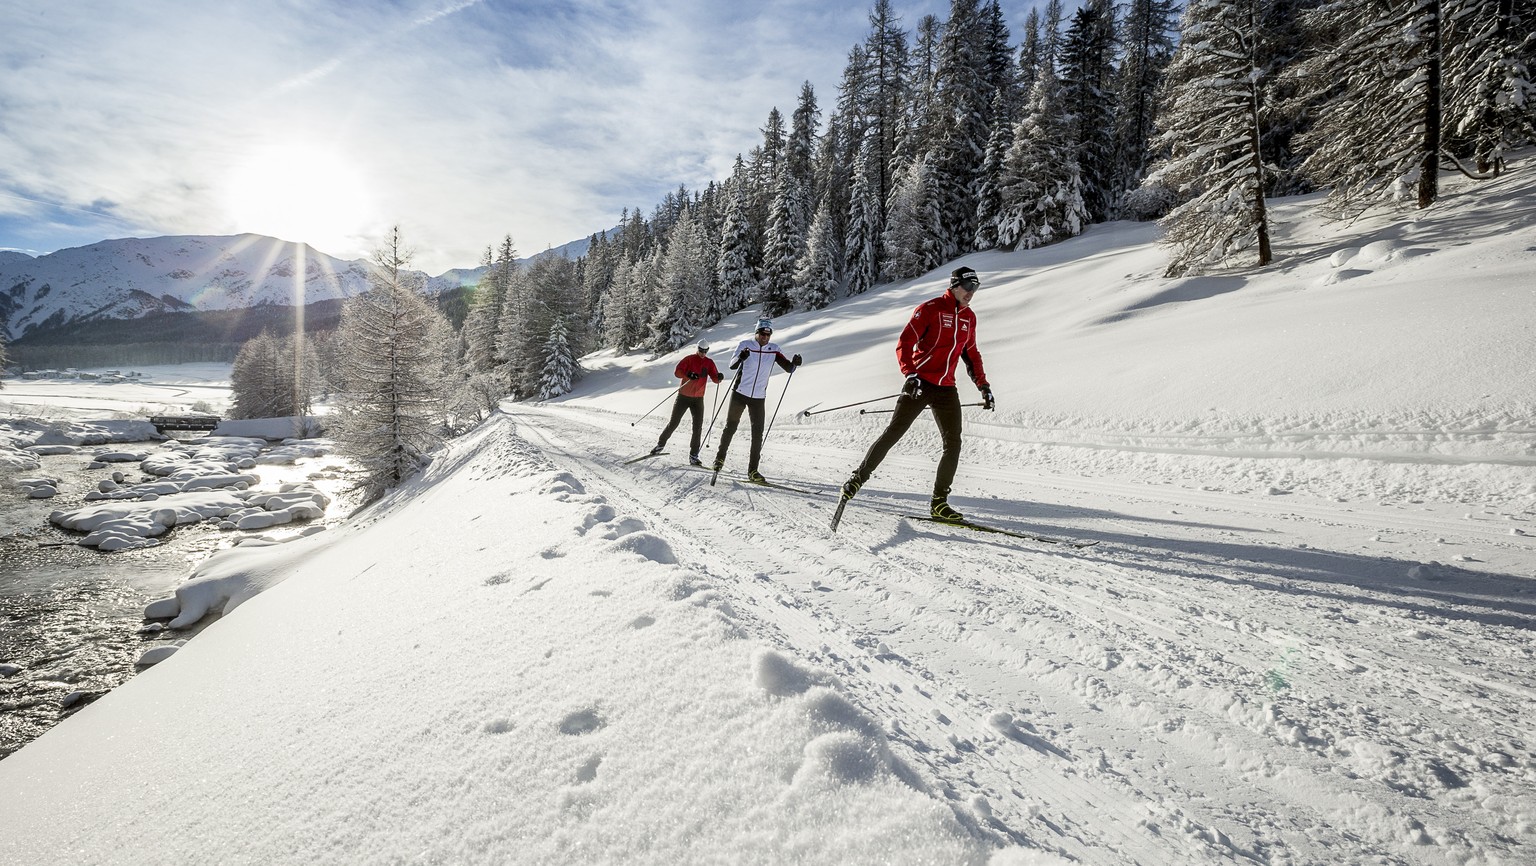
(301,192)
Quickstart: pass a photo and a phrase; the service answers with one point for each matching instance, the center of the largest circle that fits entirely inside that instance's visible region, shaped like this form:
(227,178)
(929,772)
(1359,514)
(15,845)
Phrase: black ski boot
(941,510)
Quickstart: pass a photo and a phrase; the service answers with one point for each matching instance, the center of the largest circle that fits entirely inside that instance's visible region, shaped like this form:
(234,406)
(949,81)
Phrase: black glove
(913,388)
(695,375)
(987,402)
(719,377)
(795,360)
(742,355)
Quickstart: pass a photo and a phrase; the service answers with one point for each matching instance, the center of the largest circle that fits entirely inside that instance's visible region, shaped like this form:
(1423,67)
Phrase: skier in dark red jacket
(695,370)
(941,334)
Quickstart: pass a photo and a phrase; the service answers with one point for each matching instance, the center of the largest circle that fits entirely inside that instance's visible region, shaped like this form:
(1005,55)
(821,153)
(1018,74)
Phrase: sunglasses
(970,285)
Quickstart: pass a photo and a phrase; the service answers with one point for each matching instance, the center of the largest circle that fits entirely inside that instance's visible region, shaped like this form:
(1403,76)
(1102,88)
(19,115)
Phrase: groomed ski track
(1224,678)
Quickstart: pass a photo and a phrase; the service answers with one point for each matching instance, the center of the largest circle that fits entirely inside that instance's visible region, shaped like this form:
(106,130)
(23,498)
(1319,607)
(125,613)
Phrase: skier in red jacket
(941,334)
(695,370)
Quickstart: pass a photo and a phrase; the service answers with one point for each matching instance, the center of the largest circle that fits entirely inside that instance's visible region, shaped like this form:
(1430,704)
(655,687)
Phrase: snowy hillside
(131,277)
(1305,634)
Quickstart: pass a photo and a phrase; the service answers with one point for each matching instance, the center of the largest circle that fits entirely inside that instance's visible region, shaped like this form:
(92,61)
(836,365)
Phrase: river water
(72,618)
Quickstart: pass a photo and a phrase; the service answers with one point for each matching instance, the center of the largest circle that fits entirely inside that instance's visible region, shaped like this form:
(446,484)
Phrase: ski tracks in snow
(1216,695)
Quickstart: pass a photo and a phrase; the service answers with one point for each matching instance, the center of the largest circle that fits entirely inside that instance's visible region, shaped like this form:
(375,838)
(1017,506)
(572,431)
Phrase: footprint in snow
(498,579)
(640,622)
(623,526)
(599,515)
(588,771)
(650,546)
(582,722)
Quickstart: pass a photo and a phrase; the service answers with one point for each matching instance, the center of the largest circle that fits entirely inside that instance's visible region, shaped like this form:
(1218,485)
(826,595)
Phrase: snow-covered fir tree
(912,240)
(863,237)
(736,275)
(783,247)
(1377,137)
(989,199)
(884,101)
(1489,86)
(799,156)
(1087,80)
(959,128)
(683,301)
(597,277)
(1212,128)
(816,276)
(559,371)
(482,326)
(1147,43)
(4,358)
(630,303)
(546,291)
(1041,191)
(1030,56)
(388,417)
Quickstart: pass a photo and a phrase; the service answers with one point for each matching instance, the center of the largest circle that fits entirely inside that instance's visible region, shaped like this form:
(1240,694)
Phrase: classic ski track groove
(1096,593)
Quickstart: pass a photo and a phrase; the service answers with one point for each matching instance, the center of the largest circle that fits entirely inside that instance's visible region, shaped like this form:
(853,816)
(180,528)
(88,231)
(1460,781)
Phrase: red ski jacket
(940,335)
(700,364)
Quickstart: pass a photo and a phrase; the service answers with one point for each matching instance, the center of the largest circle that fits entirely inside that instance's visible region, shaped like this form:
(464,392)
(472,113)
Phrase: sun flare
(300,193)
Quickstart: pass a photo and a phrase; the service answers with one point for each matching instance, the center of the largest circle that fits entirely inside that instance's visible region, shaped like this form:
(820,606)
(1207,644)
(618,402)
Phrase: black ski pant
(754,408)
(686,404)
(945,403)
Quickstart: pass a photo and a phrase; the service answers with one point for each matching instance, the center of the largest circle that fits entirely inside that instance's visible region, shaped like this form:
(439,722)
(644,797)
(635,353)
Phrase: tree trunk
(1429,173)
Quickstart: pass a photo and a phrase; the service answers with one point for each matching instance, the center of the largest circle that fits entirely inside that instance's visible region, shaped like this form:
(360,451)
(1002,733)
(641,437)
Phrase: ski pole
(657,406)
(807,413)
(889,411)
(777,405)
(719,403)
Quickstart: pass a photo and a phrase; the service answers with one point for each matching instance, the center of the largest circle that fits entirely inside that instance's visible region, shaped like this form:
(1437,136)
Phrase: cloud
(470,120)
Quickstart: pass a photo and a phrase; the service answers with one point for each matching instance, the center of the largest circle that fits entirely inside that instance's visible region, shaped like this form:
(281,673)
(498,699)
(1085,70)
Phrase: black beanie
(960,275)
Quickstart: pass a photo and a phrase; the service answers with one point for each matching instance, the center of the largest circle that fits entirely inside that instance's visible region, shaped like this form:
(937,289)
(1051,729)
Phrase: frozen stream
(71,618)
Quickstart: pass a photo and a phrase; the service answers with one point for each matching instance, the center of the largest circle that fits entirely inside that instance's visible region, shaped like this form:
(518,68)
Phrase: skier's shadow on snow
(1408,585)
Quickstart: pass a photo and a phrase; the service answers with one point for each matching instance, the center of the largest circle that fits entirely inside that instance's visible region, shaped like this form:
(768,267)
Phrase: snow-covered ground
(1305,635)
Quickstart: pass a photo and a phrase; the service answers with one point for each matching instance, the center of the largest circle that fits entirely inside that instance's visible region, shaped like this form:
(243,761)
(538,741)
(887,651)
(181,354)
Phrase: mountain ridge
(130,278)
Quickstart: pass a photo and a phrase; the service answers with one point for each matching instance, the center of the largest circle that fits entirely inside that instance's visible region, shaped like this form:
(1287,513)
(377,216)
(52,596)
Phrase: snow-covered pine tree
(560,368)
(1041,190)
(884,102)
(620,330)
(799,154)
(597,278)
(1377,137)
(388,418)
(959,128)
(482,327)
(1211,133)
(1147,40)
(4,358)
(782,249)
(863,236)
(1490,90)
(684,287)
(1030,56)
(1087,79)
(918,128)
(736,275)
(816,277)
(911,238)
(989,199)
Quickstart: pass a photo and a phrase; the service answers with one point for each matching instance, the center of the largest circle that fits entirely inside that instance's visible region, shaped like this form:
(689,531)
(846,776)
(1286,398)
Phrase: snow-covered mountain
(132,277)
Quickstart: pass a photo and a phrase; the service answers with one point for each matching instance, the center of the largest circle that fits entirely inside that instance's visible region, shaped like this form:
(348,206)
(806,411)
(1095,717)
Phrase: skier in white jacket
(754,363)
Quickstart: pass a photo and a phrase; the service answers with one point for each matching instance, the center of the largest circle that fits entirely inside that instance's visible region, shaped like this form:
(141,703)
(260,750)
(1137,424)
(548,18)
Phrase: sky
(1305,634)
(460,120)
